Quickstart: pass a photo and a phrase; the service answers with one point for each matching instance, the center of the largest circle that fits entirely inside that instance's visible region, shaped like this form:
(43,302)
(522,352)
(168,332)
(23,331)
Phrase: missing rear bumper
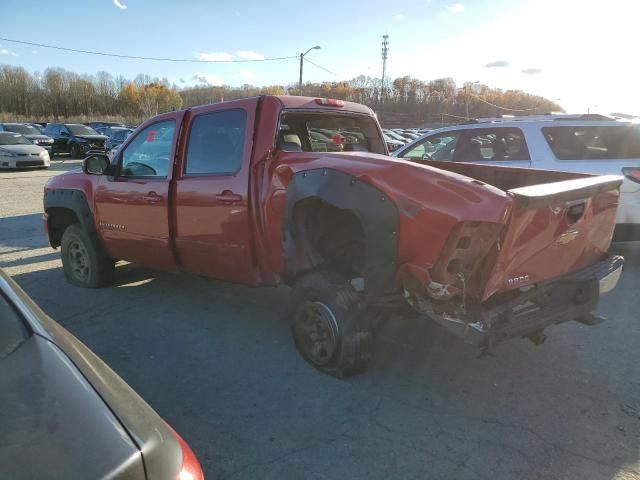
(528,313)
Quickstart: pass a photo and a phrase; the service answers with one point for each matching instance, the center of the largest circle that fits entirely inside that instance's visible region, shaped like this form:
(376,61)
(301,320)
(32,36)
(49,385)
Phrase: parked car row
(397,137)
(74,139)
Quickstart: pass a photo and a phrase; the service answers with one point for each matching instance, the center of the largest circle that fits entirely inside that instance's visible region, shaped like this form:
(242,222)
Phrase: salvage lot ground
(218,363)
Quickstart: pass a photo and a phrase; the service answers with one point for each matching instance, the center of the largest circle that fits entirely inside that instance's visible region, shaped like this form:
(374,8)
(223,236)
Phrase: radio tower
(385,54)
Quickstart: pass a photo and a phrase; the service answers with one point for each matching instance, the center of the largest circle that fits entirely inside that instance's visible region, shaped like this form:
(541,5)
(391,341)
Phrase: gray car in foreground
(65,414)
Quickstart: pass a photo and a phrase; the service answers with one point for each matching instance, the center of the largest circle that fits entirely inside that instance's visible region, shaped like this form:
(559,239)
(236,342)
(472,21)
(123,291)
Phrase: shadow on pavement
(22,232)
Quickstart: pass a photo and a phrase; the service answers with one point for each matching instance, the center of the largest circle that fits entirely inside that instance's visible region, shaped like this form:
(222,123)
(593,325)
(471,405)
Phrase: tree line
(58,94)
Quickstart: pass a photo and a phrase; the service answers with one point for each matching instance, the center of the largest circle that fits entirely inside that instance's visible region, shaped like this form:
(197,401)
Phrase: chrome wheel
(316,331)
(79,261)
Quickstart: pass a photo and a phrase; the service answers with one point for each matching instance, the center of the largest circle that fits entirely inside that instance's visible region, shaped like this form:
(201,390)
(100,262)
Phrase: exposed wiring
(157,59)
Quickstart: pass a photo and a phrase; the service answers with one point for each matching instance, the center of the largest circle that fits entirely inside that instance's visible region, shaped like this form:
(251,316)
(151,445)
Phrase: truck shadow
(216,360)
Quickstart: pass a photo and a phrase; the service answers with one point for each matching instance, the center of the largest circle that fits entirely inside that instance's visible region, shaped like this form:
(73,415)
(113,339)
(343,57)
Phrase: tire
(84,263)
(75,151)
(330,328)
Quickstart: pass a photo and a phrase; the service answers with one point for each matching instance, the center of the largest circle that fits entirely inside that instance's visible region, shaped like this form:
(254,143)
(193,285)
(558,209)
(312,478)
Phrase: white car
(579,143)
(17,151)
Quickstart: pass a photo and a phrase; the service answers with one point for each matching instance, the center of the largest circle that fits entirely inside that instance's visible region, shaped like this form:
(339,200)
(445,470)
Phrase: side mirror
(96,164)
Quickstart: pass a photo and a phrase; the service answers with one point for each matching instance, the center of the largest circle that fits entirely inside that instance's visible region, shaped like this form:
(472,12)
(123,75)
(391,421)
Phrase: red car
(244,191)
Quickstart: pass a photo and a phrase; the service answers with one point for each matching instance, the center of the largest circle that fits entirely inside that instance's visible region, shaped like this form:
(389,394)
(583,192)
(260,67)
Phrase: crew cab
(242,191)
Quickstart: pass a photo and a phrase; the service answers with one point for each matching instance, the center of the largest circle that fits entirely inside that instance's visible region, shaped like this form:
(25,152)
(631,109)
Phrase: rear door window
(216,143)
(492,145)
(593,142)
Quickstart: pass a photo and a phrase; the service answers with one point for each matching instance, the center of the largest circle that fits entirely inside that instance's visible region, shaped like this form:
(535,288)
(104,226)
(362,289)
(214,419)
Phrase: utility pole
(385,54)
(317,47)
(466,101)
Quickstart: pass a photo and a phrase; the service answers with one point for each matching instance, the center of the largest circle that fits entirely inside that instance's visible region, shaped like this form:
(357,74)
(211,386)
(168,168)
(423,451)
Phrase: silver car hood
(22,149)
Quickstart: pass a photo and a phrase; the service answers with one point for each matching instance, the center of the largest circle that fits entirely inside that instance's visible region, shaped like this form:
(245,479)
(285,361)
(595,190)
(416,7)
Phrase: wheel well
(59,219)
(331,237)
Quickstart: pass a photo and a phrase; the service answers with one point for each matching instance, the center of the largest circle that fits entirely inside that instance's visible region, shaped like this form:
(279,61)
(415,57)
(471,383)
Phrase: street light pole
(317,47)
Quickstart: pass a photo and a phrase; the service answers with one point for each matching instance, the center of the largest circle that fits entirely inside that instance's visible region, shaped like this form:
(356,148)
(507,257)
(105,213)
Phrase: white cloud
(214,57)
(247,74)
(249,55)
(6,51)
(208,79)
(456,8)
(119,4)
(399,16)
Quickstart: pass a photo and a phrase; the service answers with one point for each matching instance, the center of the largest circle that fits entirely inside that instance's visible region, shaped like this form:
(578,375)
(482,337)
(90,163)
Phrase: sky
(579,53)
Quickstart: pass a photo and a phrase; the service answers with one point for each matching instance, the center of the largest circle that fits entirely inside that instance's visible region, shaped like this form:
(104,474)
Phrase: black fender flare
(75,201)
(375,211)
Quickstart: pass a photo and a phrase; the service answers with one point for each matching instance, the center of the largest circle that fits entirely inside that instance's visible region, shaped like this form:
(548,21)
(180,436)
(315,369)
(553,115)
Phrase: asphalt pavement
(218,363)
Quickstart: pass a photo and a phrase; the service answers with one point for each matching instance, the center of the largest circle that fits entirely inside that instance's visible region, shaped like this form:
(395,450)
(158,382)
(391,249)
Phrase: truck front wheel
(329,327)
(84,265)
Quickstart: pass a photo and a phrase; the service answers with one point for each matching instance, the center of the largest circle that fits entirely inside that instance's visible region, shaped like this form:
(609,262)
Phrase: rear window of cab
(328,132)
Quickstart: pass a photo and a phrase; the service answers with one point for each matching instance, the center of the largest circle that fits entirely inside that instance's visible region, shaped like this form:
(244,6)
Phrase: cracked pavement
(217,362)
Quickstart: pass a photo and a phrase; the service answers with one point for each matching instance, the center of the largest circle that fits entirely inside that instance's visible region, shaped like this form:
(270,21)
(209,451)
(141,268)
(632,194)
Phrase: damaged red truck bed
(300,191)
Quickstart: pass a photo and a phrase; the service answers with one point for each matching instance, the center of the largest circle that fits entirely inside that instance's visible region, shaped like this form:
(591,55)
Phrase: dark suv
(74,138)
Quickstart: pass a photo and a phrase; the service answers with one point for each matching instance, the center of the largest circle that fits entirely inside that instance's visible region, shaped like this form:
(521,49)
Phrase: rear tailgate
(554,229)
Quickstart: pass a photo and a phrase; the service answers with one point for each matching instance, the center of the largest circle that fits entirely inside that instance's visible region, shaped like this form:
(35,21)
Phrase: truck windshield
(329,132)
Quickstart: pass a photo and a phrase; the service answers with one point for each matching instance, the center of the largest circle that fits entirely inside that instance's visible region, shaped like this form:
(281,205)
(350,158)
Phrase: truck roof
(316,103)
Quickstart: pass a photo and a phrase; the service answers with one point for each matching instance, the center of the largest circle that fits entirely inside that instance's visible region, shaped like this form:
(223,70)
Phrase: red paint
(230,227)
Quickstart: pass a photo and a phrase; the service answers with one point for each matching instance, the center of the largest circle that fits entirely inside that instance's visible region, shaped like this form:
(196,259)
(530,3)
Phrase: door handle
(228,197)
(152,197)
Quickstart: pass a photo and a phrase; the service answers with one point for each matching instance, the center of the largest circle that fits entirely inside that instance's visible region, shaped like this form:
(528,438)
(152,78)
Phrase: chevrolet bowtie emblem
(567,237)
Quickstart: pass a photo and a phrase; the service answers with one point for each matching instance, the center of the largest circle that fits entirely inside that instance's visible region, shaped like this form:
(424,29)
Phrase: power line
(135,57)
(321,67)
(503,108)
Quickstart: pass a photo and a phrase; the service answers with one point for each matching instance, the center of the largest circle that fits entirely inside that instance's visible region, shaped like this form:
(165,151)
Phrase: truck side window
(216,143)
(148,154)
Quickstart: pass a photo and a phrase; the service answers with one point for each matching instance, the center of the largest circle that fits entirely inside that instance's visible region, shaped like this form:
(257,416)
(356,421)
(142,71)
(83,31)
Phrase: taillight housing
(632,173)
(464,252)
(190,468)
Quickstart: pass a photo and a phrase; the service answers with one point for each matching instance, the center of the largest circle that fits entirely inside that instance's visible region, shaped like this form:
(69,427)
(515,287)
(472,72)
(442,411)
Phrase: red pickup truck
(300,191)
